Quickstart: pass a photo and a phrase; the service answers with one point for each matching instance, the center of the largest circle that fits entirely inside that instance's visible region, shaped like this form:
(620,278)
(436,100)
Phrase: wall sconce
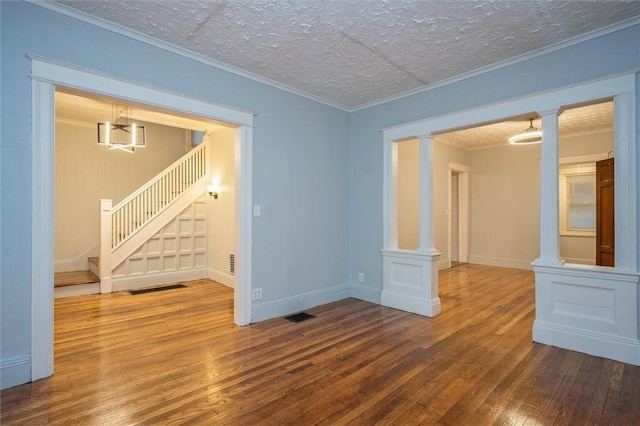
(213,191)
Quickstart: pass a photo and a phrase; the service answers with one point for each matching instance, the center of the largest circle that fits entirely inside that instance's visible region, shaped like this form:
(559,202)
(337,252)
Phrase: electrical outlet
(256,294)
(361,277)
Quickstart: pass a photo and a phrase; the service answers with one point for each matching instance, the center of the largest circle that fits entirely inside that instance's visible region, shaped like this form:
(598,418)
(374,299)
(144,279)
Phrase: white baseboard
(426,307)
(221,277)
(368,294)
(501,262)
(443,264)
(148,280)
(15,371)
(76,290)
(267,310)
(597,344)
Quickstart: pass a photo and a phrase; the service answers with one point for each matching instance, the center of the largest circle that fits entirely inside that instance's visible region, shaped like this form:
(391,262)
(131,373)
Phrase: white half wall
(588,310)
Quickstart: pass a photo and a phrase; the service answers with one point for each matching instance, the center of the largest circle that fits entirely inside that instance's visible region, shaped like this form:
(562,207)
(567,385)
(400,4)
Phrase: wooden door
(605,223)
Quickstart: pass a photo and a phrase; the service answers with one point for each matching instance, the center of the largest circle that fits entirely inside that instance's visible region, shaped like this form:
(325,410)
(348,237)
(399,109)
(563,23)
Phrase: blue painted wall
(317,170)
(300,243)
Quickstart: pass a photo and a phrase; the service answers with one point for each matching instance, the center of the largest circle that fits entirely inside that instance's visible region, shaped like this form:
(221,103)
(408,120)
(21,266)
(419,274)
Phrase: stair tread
(61,279)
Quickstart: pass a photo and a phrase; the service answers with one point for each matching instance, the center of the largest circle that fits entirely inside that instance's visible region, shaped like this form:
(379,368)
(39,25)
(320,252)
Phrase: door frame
(46,74)
(462,171)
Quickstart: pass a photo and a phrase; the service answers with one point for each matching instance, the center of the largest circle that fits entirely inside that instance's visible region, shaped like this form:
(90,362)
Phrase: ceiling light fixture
(529,136)
(122,133)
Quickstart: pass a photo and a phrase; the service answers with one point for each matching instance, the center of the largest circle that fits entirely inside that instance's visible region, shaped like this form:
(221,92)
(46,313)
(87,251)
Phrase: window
(578,199)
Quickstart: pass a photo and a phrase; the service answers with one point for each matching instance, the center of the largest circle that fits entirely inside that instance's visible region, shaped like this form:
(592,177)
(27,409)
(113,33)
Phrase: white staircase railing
(146,202)
(122,221)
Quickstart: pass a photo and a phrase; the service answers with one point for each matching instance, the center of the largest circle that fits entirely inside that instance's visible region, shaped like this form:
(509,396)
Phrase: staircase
(130,223)
(137,218)
(76,283)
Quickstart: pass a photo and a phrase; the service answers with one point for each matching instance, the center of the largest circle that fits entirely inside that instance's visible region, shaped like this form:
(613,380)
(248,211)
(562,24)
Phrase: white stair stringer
(120,253)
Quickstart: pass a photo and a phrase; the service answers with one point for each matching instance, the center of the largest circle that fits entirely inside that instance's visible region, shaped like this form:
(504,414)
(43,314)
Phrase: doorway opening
(458,213)
(166,173)
(46,76)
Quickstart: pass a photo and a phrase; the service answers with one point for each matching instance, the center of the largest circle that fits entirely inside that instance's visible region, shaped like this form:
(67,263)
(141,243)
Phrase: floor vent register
(154,289)
(302,316)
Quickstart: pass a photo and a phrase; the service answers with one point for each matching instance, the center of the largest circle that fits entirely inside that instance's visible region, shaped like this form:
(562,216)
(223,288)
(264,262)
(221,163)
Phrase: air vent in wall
(232,263)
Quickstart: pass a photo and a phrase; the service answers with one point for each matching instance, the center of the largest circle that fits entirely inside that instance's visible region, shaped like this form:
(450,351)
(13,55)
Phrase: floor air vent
(299,317)
(154,289)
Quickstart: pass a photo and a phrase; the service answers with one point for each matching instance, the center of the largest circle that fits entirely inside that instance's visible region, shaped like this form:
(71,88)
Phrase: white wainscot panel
(170,263)
(154,265)
(185,225)
(200,242)
(406,274)
(137,266)
(154,246)
(583,302)
(169,245)
(185,244)
(410,282)
(185,261)
(169,255)
(591,310)
(200,226)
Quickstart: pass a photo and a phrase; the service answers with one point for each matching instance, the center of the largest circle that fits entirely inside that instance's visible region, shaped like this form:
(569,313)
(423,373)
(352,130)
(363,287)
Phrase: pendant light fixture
(529,136)
(122,133)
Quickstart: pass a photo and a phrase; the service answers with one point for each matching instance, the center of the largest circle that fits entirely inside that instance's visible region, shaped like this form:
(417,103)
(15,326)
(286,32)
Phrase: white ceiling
(353,53)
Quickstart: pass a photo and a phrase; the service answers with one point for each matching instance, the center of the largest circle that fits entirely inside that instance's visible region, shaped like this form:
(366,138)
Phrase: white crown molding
(508,62)
(135,35)
(138,36)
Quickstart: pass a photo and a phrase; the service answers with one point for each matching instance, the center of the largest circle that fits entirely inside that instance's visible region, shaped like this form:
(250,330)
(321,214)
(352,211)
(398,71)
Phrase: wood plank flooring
(61,279)
(175,357)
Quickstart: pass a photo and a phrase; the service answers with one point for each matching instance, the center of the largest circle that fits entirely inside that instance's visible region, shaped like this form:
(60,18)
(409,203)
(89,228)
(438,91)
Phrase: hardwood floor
(175,357)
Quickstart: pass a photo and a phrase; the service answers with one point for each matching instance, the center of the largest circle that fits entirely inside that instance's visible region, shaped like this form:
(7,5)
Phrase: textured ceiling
(353,53)
(572,121)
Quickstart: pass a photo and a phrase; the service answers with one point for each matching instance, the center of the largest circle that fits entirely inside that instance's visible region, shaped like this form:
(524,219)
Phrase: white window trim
(564,211)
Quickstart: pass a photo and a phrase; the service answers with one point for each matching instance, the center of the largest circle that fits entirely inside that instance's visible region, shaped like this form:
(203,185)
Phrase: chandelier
(121,132)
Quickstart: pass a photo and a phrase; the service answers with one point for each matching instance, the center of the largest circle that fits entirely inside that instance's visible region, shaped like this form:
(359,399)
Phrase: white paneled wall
(176,253)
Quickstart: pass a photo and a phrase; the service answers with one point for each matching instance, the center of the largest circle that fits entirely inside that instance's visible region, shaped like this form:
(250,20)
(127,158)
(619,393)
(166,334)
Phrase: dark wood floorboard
(175,357)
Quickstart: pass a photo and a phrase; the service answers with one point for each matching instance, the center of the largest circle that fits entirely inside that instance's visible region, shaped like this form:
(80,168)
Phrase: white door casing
(462,170)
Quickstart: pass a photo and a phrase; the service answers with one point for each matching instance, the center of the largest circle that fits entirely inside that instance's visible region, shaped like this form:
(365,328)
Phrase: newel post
(105,246)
